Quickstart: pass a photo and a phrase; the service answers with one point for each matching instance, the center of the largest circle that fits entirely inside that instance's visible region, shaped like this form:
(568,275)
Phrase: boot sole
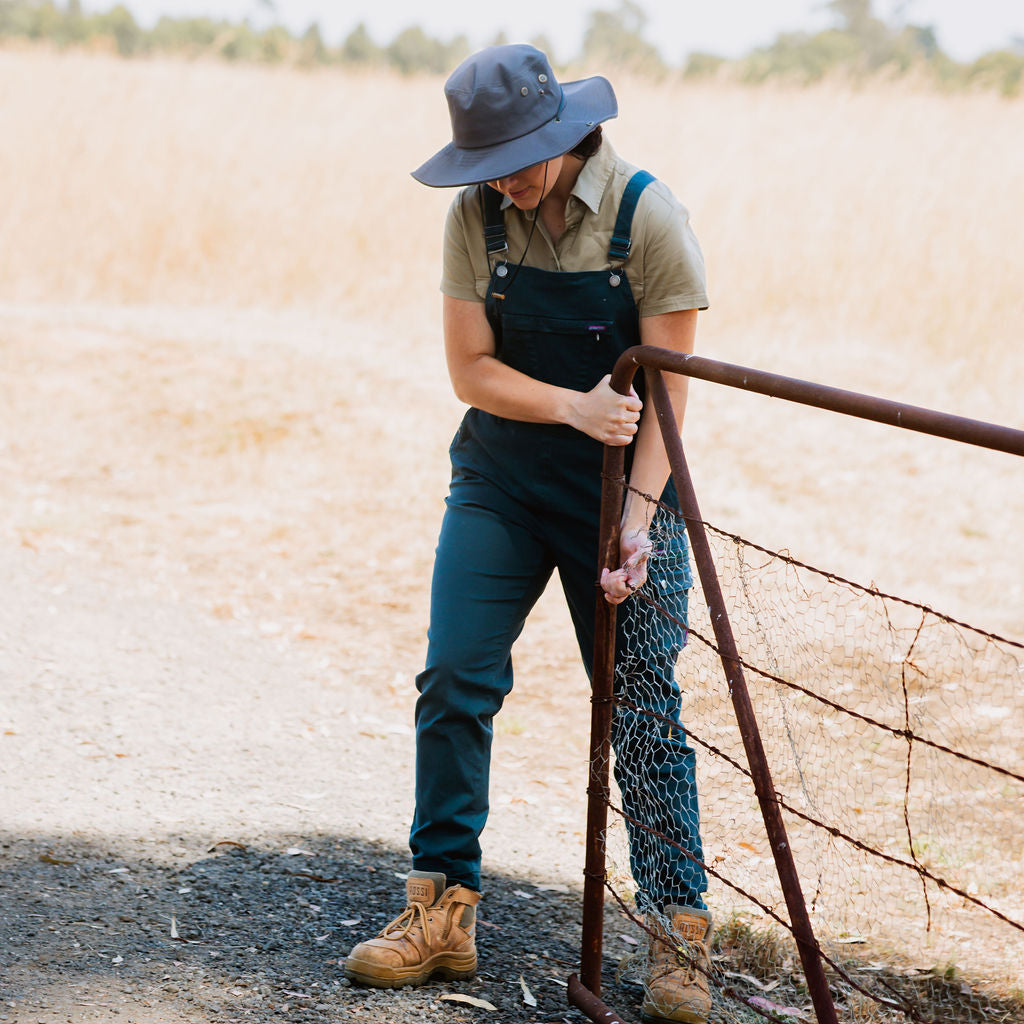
(651,1016)
(448,966)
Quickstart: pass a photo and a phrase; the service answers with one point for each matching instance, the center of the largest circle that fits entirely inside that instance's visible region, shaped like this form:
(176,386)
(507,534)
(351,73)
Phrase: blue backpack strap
(494,221)
(621,241)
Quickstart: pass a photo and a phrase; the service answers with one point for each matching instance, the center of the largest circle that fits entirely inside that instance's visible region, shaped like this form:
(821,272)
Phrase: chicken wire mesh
(893,737)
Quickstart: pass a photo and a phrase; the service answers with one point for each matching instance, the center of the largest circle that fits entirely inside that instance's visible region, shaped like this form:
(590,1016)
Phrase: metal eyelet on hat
(542,79)
(524,91)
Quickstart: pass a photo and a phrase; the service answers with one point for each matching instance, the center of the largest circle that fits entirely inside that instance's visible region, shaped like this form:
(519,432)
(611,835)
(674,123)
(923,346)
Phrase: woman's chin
(526,201)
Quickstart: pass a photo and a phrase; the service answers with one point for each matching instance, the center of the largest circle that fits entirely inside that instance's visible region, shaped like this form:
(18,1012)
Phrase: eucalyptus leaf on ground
(783,1011)
(468,1000)
(528,996)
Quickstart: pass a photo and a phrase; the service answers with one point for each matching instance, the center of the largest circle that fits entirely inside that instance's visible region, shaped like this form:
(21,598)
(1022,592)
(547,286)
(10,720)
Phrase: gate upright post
(817,983)
(602,691)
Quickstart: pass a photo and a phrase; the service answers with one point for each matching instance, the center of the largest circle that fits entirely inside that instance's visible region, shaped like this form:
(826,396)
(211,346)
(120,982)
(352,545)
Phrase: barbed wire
(833,830)
(791,622)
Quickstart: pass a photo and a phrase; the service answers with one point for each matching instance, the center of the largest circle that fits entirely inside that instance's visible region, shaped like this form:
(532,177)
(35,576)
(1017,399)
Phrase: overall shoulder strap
(494,220)
(621,241)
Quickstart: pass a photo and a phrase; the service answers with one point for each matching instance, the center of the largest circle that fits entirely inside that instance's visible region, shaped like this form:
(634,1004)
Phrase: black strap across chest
(621,240)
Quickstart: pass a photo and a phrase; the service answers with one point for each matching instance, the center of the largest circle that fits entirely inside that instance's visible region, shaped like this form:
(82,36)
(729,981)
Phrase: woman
(557,257)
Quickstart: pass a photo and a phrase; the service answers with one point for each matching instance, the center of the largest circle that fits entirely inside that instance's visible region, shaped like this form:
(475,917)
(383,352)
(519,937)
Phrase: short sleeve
(458,276)
(672,262)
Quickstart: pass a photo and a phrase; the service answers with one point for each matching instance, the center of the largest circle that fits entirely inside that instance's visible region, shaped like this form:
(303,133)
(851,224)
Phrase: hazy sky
(727,27)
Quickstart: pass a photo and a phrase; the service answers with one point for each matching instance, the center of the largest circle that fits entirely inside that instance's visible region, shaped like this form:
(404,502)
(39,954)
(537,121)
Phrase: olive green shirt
(665,268)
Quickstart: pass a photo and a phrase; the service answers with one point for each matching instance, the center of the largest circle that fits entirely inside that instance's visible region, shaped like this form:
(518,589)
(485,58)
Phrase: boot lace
(415,913)
(677,958)
(418,913)
(664,959)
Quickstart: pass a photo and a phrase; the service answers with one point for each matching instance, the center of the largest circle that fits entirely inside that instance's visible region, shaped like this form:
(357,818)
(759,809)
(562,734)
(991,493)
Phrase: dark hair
(588,145)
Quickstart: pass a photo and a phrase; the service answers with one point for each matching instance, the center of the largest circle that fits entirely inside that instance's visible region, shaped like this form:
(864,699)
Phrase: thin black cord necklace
(529,237)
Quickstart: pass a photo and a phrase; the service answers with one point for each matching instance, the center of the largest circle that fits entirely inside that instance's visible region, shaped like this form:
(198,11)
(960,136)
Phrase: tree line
(858,44)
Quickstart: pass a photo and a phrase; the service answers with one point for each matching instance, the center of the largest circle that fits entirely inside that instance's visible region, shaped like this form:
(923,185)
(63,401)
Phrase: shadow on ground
(179,928)
(183,929)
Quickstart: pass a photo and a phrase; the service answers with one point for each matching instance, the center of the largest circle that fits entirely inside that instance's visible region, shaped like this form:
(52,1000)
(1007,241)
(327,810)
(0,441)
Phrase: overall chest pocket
(569,353)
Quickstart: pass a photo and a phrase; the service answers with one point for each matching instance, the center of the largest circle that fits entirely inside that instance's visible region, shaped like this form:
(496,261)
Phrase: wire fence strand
(892,732)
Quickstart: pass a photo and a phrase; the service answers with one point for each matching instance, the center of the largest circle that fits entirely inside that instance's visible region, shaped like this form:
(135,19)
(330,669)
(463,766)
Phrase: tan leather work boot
(677,986)
(434,935)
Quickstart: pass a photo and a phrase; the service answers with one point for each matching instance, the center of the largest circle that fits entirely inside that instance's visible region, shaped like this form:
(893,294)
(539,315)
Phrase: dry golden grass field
(221,367)
(864,238)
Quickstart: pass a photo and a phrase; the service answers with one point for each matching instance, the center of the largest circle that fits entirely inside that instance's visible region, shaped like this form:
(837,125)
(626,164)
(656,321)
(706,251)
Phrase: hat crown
(500,94)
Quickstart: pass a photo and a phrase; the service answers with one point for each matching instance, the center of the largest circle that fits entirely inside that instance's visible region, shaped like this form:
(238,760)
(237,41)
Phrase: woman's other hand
(605,415)
(635,550)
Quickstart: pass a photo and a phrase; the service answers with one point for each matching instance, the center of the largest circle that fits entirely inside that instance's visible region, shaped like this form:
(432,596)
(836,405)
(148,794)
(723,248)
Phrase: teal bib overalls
(525,500)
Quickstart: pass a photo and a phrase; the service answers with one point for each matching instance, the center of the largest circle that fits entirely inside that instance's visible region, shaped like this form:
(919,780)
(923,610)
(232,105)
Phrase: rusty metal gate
(585,992)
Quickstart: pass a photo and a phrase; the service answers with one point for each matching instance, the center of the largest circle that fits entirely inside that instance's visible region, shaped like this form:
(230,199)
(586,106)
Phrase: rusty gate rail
(655,360)
(822,396)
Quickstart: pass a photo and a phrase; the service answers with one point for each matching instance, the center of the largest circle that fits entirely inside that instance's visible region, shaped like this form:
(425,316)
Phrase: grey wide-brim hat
(508,112)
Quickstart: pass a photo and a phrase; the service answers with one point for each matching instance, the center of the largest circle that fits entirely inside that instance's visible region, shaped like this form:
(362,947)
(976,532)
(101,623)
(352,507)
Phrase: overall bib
(525,500)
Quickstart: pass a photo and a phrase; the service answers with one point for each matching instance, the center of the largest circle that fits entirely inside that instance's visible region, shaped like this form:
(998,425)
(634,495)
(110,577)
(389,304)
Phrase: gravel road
(205,710)
(196,829)
(212,604)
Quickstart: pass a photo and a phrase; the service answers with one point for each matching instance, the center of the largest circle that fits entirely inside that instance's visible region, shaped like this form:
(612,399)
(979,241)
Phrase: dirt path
(195,829)
(215,544)
(198,681)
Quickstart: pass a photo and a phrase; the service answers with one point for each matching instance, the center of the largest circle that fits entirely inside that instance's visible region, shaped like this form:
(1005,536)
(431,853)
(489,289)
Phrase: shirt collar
(594,176)
(591,182)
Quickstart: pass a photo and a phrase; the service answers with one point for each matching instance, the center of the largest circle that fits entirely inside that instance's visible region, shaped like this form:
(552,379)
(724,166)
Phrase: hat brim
(586,103)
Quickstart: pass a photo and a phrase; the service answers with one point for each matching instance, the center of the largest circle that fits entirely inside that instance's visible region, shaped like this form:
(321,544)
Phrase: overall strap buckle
(494,221)
(622,242)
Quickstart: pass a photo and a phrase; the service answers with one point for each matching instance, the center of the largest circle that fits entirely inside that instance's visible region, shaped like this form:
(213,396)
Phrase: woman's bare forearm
(677,332)
(480,379)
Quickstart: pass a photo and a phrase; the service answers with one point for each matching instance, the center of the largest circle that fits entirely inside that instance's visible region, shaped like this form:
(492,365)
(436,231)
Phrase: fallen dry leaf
(787,1011)
(49,858)
(469,1001)
(310,875)
(528,996)
(750,979)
